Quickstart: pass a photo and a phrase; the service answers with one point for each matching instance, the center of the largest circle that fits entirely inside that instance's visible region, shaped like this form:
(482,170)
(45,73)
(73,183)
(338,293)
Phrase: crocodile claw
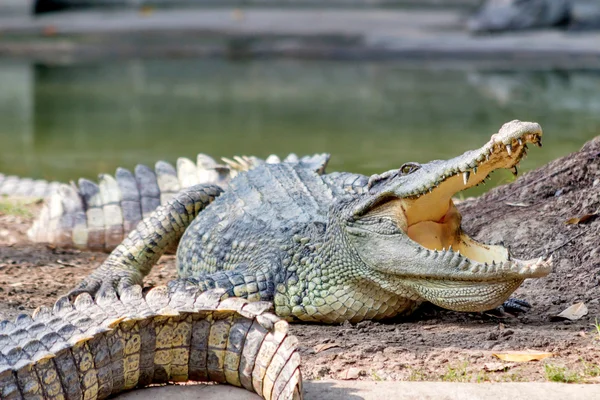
(516,306)
(510,307)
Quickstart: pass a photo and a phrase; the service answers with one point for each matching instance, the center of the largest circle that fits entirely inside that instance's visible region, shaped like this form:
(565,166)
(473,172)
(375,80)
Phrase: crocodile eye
(409,168)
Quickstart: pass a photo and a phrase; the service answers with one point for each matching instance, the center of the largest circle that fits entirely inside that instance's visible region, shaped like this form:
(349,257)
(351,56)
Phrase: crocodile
(317,247)
(334,247)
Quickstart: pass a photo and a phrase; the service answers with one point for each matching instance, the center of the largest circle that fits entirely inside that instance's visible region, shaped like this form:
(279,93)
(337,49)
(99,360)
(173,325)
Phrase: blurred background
(89,85)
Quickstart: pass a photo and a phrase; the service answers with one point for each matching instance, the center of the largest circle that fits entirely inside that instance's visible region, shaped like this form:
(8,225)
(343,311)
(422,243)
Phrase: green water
(66,121)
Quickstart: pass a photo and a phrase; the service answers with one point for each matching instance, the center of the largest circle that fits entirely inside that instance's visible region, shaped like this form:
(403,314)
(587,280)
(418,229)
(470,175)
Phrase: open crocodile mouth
(455,271)
(432,220)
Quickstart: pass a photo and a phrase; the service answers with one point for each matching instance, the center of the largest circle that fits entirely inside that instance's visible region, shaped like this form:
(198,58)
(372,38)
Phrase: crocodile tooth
(515,171)
(509,149)
(520,142)
(539,142)
(466,176)
(474,170)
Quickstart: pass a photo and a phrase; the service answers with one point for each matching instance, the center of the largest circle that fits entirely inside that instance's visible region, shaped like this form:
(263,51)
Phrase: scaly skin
(94,349)
(337,247)
(99,216)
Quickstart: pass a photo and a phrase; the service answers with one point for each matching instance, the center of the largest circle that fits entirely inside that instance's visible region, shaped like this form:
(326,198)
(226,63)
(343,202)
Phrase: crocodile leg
(133,259)
(95,349)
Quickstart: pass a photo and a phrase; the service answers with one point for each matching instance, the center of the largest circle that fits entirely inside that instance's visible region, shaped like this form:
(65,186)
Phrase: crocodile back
(259,213)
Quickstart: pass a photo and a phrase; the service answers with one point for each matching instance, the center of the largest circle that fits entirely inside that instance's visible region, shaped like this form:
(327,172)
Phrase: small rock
(353,373)
(507,332)
(497,366)
(363,324)
(492,336)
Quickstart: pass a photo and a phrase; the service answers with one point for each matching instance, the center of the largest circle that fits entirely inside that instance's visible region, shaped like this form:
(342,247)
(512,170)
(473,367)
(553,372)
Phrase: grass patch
(8,207)
(375,376)
(597,327)
(514,376)
(456,374)
(417,375)
(482,377)
(555,373)
(590,369)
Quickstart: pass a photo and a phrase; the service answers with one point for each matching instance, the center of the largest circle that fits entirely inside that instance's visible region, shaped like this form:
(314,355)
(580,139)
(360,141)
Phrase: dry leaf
(325,346)
(573,313)
(581,220)
(523,356)
(497,366)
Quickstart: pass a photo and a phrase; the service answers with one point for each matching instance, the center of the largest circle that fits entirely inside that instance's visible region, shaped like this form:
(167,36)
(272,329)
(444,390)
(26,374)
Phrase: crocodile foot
(510,307)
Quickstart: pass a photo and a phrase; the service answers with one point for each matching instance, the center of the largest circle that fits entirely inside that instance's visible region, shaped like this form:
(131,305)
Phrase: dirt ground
(528,215)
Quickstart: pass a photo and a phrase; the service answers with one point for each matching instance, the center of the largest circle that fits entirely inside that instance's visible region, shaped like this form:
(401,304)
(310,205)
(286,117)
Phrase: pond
(71,120)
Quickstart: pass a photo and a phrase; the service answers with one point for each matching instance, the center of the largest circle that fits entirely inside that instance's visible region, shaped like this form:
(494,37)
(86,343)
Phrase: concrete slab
(318,33)
(371,390)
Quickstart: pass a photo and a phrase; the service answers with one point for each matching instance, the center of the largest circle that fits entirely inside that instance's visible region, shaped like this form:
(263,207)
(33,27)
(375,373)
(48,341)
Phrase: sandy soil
(528,215)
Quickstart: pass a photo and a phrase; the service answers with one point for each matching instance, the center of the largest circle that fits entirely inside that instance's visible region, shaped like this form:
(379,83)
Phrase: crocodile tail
(98,348)
(14,186)
(98,216)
